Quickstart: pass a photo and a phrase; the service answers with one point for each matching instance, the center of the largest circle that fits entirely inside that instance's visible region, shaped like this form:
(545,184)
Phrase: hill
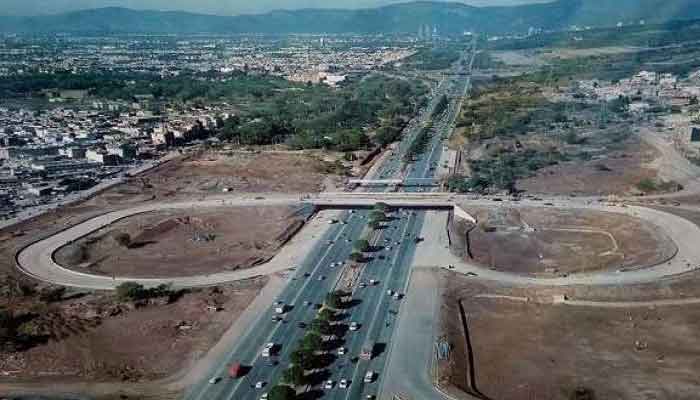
(448,18)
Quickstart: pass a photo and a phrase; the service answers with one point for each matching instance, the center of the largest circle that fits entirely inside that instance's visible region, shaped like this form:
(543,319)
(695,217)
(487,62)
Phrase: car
(341,351)
(329,384)
(343,384)
(307,274)
(362,285)
(301,324)
(307,303)
(369,377)
(354,326)
(390,292)
(397,296)
(214,380)
(264,396)
(321,277)
(259,384)
(276,318)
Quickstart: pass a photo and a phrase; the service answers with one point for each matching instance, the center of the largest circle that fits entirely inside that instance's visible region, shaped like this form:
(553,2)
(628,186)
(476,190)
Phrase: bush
(123,239)
(362,245)
(282,392)
(582,393)
(647,185)
(294,375)
(50,295)
(130,291)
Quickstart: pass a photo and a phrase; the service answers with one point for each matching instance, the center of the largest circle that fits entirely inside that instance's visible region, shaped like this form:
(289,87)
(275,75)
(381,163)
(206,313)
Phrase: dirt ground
(177,243)
(618,173)
(202,173)
(535,351)
(553,241)
(98,338)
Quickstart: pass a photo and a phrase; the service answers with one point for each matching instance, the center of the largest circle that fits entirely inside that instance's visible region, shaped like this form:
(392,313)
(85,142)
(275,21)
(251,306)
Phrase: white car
(354,326)
(329,384)
(263,396)
(259,384)
(214,380)
(343,384)
(341,351)
(369,377)
(270,345)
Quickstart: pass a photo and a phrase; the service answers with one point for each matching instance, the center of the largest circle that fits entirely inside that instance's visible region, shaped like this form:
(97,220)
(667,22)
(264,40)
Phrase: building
(102,157)
(124,151)
(162,137)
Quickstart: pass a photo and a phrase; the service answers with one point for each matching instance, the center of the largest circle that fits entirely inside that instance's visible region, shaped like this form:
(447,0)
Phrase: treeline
(434,58)
(502,170)
(419,144)
(319,117)
(124,86)
(440,107)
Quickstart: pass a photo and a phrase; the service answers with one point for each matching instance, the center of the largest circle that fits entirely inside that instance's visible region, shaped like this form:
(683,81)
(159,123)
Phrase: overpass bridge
(408,182)
(430,200)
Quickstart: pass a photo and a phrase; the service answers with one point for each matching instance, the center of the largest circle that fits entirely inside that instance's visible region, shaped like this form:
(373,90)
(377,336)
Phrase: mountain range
(447,18)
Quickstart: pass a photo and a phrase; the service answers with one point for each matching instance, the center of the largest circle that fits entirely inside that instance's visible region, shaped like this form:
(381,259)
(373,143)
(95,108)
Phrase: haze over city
(218,7)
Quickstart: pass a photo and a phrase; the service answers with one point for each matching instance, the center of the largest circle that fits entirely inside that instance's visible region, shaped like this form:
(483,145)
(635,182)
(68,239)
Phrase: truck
(235,370)
(367,352)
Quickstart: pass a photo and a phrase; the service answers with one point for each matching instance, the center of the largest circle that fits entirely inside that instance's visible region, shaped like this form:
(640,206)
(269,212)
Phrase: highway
(375,311)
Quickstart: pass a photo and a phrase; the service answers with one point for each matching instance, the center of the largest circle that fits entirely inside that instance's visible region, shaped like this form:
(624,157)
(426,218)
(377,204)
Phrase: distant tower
(323,42)
(420,32)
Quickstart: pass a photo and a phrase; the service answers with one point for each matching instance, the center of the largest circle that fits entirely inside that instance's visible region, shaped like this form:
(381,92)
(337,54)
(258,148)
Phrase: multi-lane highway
(375,311)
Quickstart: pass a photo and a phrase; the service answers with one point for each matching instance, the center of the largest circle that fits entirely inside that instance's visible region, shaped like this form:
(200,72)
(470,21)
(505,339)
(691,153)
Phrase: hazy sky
(224,7)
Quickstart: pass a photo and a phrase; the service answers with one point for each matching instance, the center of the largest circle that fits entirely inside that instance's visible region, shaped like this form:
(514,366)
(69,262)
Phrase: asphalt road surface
(374,310)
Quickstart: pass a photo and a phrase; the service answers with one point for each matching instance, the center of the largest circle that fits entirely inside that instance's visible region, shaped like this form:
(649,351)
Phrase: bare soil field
(102,339)
(204,173)
(93,336)
(552,241)
(524,350)
(618,173)
(180,243)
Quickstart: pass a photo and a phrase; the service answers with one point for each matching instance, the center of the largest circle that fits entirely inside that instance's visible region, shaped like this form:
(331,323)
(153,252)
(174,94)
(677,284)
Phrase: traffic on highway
(356,343)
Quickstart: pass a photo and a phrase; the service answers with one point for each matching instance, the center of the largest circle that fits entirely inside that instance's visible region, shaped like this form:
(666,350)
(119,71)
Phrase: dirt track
(552,241)
(183,243)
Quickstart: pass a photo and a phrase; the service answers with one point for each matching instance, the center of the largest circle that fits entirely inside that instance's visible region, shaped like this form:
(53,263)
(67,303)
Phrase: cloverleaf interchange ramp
(37,261)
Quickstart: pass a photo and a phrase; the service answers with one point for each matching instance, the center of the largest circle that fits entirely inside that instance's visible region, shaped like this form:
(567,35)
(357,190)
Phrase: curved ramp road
(682,232)
(37,260)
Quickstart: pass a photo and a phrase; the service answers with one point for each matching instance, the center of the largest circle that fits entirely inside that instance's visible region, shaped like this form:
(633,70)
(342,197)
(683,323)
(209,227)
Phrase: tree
(362,245)
(326,314)
(130,291)
(302,358)
(383,207)
(356,256)
(282,392)
(377,215)
(321,326)
(294,375)
(335,299)
(311,342)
